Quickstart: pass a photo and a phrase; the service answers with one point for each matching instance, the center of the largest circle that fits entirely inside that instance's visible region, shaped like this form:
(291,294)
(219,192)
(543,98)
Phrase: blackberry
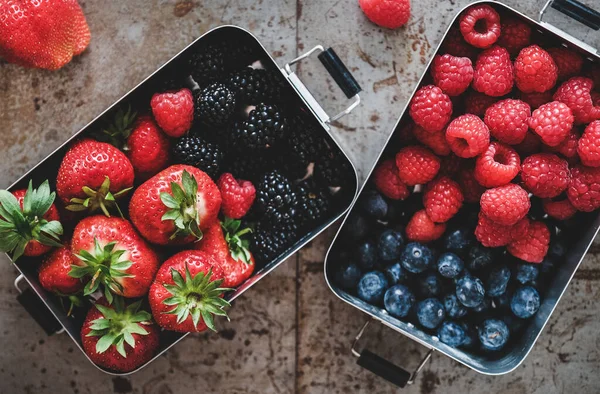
(237,55)
(276,201)
(264,128)
(304,140)
(253,86)
(289,164)
(313,202)
(197,152)
(268,243)
(248,166)
(206,65)
(215,104)
(333,169)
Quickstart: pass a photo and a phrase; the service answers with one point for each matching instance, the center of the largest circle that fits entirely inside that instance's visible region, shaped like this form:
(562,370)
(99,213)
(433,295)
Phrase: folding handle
(339,72)
(578,11)
(36,308)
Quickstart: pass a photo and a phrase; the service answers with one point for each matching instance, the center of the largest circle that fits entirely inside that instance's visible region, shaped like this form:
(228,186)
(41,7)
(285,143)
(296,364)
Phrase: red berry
(431,108)
(568,148)
(472,190)
(536,99)
(531,144)
(173,111)
(480,26)
(545,175)
(515,35)
(442,199)
(493,72)
(596,99)
(569,62)
(421,228)
(552,122)
(148,148)
(584,188)
(559,210)
(388,182)
(497,165)
(533,246)
(434,141)
(417,165)
(494,235)
(535,70)
(405,133)
(390,14)
(576,93)
(450,165)
(589,145)
(477,103)
(508,120)
(452,74)
(237,196)
(467,136)
(505,204)
(454,44)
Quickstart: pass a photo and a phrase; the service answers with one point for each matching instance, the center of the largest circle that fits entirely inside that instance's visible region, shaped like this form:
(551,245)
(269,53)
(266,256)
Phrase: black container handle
(384,368)
(36,308)
(576,10)
(339,72)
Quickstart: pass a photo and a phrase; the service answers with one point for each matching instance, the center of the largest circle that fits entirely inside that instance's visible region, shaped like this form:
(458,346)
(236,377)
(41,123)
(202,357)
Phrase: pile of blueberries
(468,295)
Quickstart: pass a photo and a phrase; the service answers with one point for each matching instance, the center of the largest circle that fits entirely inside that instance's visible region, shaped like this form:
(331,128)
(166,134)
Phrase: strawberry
(230,251)
(119,337)
(186,292)
(237,195)
(29,221)
(173,111)
(112,255)
(93,175)
(175,205)
(42,34)
(54,272)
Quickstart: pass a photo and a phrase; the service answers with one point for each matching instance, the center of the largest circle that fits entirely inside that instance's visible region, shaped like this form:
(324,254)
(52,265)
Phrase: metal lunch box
(580,240)
(46,308)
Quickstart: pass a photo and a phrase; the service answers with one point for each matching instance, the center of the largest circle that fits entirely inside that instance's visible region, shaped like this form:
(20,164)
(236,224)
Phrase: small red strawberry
(113,256)
(421,228)
(388,182)
(92,176)
(173,111)
(54,272)
(186,293)
(29,221)
(119,337)
(237,196)
(175,205)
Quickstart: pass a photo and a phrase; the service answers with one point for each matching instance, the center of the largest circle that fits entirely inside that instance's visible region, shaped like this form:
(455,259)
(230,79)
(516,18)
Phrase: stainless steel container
(46,309)
(505,362)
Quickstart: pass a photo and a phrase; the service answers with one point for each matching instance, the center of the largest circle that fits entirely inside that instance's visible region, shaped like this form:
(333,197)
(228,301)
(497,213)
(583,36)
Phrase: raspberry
(569,63)
(505,204)
(515,35)
(417,165)
(596,99)
(452,74)
(421,228)
(493,235)
(552,122)
(431,108)
(237,196)
(477,103)
(497,165)
(434,141)
(568,148)
(535,70)
(480,26)
(388,182)
(405,133)
(442,199)
(533,246)
(173,111)
(545,175)
(454,44)
(576,93)
(589,145)
(584,188)
(559,210)
(450,165)
(507,120)
(493,72)
(536,99)
(467,136)
(531,144)
(472,190)
(390,14)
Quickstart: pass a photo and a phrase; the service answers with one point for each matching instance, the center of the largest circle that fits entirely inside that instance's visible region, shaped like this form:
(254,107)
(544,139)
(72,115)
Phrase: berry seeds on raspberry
(534,245)
(421,228)
(497,165)
(494,235)
(467,136)
(576,94)
(388,182)
(583,190)
(552,122)
(388,14)
(431,108)
(507,120)
(493,72)
(173,111)
(515,35)
(434,141)
(237,196)
(452,74)
(569,62)
(535,70)
(588,147)
(472,190)
(505,204)
(442,199)
(545,175)
(480,26)
(559,209)
(417,165)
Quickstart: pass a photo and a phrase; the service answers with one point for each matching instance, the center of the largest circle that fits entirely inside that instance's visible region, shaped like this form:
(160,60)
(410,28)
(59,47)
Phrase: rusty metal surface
(300,341)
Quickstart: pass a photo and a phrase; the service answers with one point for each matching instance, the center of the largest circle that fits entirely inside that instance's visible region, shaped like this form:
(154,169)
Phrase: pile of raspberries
(503,121)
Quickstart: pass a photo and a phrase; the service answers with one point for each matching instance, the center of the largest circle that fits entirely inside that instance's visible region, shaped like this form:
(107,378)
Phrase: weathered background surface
(299,340)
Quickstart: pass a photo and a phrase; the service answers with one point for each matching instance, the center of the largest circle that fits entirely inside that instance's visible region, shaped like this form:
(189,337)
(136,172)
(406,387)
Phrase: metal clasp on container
(576,10)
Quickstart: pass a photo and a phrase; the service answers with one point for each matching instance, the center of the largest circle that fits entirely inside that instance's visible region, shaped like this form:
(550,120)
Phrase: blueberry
(483,306)
(470,337)
(389,245)
(525,302)
(430,313)
(395,211)
(416,257)
(450,265)
(480,257)
(373,204)
(395,273)
(371,287)
(497,280)
(469,291)
(514,323)
(429,285)
(356,227)
(493,334)
(458,240)
(366,255)
(502,301)
(557,249)
(527,273)
(347,276)
(398,300)
(452,334)
(548,265)
(454,309)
